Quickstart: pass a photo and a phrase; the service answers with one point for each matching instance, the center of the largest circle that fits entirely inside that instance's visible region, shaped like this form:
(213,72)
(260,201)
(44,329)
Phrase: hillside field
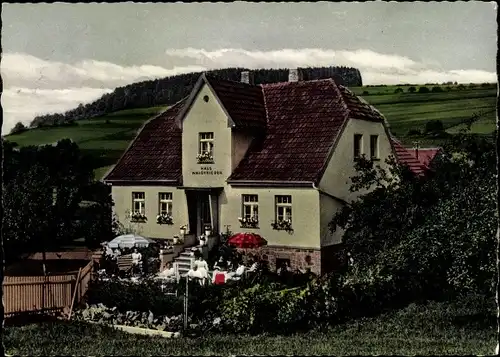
(106,137)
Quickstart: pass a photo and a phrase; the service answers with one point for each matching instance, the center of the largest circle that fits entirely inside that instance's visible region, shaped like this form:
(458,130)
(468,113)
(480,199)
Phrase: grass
(405,111)
(466,328)
(106,138)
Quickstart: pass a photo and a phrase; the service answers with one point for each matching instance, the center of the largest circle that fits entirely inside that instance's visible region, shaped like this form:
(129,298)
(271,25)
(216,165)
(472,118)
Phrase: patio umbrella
(129,241)
(246,240)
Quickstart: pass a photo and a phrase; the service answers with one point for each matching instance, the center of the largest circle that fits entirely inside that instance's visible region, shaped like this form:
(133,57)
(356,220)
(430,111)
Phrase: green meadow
(106,138)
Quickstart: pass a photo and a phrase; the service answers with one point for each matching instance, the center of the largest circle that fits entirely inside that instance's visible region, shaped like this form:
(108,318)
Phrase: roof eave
(142,182)
(269,183)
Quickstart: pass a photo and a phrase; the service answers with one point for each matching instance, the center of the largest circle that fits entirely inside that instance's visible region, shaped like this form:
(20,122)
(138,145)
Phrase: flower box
(251,222)
(138,217)
(164,219)
(285,225)
(205,158)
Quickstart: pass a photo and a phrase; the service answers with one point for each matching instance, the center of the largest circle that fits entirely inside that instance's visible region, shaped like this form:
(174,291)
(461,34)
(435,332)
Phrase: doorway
(202,211)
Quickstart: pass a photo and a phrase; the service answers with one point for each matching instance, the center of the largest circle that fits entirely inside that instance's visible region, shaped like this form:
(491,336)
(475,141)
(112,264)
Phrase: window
(358,145)
(165,203)
(139,202)
(374,146)
(283,208)
(206,148)
(250,211)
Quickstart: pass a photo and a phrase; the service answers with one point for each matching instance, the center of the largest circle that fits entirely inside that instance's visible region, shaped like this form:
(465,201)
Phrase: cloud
(23,70)
(376,68)
(35,86)
(23,104)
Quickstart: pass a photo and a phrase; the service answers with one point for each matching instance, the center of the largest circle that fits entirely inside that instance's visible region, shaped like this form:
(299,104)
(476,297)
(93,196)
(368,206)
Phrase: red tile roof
(302,121)
(243,102)
(358,108)
(406,157)
(425,156)
(155,154)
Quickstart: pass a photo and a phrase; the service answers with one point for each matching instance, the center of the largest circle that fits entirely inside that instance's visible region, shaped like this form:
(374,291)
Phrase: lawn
(466,328)
(405,111)
(105,138)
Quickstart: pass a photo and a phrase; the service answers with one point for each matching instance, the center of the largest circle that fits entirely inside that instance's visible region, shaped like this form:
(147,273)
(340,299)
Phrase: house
(417,159)
(277,155)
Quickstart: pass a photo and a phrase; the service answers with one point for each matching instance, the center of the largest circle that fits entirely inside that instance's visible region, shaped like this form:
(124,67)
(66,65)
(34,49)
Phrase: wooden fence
(37,293)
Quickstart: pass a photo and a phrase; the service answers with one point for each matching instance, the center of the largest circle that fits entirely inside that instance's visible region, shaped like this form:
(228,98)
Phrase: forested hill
(169,90)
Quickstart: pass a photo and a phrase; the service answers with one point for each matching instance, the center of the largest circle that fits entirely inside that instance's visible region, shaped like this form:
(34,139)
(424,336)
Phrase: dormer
(218,123)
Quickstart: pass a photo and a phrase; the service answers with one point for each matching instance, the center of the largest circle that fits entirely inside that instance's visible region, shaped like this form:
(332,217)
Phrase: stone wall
(299,258)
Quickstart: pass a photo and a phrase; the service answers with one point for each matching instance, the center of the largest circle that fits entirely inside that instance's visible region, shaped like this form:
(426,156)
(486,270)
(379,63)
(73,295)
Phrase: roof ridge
(275,84)
(211,77)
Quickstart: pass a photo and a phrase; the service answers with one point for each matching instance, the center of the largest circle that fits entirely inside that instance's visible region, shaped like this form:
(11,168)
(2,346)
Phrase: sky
(56,56)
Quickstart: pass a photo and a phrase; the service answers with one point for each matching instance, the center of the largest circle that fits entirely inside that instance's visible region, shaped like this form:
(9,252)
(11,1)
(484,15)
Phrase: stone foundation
(299,258)
(320,261)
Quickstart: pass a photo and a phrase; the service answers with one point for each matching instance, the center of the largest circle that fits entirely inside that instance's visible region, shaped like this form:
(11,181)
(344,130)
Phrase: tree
(18,128)
(398,90)
(414,226)
(423,90)
(27,211)
(35,177)
(434,126)
(96,222)
(412,89)
(436,89)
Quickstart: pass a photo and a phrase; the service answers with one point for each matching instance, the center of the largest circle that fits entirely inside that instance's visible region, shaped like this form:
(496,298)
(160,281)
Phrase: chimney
(294,75)
(416,146)
(247,77)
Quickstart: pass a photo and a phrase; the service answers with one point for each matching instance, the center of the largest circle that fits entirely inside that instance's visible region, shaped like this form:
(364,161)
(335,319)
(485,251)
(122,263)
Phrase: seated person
(254,266)
(136,260)
(169,271)
(220,265)
(195,274)
(202,266)
(238,273)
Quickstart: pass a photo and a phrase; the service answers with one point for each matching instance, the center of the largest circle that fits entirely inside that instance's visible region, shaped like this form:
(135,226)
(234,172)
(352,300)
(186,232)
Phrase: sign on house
(207,171)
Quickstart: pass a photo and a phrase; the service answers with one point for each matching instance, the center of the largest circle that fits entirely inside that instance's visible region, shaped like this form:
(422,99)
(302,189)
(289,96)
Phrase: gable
(336,179)
(202,90)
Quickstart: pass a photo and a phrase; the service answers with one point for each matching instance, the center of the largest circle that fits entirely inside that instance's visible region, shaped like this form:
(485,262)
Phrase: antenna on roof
(416,146)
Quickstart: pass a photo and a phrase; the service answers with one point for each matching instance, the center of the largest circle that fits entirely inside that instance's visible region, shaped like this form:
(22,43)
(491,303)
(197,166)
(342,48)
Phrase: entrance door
(205,216)
(202,211)
(192,203)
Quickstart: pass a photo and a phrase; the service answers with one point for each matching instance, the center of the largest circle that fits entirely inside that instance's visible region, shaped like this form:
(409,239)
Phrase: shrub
(18,128)
(423,90)
(129,296)
(437,89)
(434,126)
(366,93)
(398,90)
(412,89)
(414,132)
